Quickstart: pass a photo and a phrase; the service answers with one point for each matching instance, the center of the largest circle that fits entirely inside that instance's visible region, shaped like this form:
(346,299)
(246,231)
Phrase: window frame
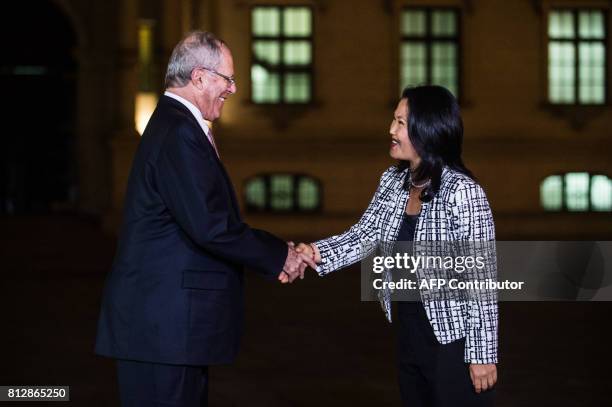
(428,40)
(564,207)
(295,208)
(282,68)
(575,41)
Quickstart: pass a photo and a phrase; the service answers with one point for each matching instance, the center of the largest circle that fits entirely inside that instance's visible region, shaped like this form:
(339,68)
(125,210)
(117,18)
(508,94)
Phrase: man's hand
(295,265)
(483,377)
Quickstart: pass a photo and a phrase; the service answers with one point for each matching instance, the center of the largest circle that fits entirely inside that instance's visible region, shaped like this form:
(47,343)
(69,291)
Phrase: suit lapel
(211,150)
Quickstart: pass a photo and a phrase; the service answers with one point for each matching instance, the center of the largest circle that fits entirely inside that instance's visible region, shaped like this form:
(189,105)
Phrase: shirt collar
(192,108)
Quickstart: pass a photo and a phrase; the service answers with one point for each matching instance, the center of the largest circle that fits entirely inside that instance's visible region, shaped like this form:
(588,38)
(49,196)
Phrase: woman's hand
(483,377)
(310,250)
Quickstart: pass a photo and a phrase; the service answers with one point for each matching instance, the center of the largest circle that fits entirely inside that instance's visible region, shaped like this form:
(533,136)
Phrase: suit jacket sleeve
(192,186)
(357,242)
(473,225)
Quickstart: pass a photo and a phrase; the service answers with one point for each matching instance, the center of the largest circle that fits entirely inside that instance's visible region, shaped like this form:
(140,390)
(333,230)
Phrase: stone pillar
(207,15)
(92,123)
(187,16)
(172,29)
(125,138)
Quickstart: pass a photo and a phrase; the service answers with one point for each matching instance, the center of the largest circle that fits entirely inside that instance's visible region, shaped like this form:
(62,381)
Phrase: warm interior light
(145,105)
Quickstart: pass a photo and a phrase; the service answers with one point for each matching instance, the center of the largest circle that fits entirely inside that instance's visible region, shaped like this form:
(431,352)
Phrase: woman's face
(401,147)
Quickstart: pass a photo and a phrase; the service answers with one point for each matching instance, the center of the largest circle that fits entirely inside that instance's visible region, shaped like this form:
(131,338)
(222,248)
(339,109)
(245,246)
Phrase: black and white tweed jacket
(459,212)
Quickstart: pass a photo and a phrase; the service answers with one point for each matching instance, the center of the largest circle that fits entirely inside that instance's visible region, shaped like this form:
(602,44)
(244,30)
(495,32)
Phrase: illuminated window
(429,49)
(281,68)
(551,193)
(283,193)
(577,56)
(576,192)
(146,97)
(145,55)
(601,193)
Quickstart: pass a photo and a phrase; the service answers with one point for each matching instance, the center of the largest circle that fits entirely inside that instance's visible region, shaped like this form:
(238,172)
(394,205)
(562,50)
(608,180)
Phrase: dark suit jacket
(175,292)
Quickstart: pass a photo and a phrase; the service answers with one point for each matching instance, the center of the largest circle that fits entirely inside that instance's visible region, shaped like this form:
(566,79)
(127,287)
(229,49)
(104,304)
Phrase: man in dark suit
(173,302)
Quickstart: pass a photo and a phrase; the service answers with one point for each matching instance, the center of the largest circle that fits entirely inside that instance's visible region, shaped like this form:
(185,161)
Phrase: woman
(447,349)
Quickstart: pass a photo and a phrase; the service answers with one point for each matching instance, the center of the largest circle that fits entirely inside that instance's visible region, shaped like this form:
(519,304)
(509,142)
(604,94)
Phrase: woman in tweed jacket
(447,349)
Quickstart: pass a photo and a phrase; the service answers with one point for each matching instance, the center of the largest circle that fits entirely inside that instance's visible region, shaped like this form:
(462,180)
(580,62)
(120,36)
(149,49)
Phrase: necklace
(424,184)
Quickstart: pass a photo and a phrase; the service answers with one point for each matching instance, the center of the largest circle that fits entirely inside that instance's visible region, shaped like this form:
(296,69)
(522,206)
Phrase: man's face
(216,89)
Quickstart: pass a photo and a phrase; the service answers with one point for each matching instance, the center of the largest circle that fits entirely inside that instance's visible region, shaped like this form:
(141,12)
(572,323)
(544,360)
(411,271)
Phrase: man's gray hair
(197,49)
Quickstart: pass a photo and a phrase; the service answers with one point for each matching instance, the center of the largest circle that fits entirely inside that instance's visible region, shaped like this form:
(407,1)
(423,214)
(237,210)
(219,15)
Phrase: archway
(38,80)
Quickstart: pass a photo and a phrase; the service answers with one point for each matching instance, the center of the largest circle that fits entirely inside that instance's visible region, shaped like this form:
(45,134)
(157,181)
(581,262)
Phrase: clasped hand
(298,258)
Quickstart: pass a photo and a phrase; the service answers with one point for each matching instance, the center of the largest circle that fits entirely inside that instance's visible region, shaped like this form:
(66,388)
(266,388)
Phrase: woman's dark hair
(435,129)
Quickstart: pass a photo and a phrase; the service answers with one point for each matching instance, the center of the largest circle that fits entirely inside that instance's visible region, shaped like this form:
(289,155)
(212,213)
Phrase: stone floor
(311,343)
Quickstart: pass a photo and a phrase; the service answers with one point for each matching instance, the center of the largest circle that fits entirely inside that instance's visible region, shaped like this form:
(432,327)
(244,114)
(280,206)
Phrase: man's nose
(232,89)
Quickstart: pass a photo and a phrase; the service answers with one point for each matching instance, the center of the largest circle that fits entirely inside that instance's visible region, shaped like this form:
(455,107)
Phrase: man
(173,302)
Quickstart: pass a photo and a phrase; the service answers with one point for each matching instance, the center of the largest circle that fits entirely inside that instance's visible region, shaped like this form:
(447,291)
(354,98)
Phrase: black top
(406,232)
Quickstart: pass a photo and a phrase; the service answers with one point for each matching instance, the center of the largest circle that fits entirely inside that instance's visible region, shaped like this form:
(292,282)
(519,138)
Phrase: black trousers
(143,384)
(431,374)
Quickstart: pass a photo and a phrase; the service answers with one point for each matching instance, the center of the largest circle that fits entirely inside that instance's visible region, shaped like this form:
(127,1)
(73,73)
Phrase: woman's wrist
(316,255)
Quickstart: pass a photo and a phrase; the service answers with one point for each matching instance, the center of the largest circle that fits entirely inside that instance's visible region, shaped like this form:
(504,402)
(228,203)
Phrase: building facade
(305,138)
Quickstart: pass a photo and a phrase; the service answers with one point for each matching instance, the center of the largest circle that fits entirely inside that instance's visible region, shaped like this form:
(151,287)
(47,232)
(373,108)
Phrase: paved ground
(312,343)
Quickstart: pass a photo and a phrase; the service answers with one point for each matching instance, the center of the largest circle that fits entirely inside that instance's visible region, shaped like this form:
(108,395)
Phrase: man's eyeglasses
(229,79)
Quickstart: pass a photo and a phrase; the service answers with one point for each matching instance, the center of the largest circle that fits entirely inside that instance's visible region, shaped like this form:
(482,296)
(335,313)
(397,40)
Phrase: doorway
(38,81)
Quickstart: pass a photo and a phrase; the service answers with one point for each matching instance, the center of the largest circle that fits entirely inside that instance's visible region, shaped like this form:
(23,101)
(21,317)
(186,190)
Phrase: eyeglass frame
(230,79)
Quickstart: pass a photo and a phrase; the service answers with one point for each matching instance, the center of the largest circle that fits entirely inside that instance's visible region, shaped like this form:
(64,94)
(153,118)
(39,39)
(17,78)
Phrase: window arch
(576,192)
(283,192)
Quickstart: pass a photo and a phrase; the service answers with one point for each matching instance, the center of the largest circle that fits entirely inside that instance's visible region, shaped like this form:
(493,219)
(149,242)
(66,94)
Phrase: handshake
(298,258)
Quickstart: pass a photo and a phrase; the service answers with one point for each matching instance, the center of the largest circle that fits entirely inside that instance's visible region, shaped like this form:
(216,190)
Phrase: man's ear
(198,79)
